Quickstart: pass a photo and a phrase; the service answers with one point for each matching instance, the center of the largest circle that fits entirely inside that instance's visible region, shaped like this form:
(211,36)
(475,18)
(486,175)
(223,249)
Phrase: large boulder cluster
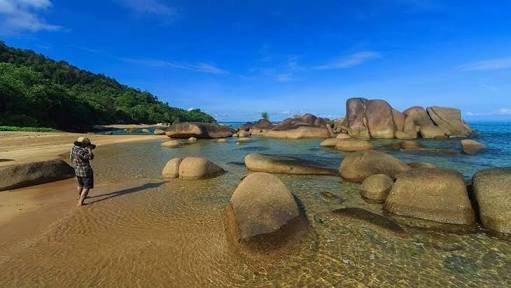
(298,127)
(422,191)
(367,119)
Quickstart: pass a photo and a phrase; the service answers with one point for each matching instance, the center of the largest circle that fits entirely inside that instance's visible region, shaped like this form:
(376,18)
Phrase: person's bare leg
(85,191)
(79,189)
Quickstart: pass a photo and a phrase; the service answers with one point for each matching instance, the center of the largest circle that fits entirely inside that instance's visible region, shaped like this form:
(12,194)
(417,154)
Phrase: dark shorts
(86,182)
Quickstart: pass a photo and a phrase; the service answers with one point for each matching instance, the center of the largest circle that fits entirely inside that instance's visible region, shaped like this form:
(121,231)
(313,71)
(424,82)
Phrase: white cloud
(499,112)
(155,7)
(199,67)
(487,65)
(350,60)
(504,111)
(23,15)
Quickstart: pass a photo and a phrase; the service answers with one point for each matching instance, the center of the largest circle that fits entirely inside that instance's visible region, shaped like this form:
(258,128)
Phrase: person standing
(81,155)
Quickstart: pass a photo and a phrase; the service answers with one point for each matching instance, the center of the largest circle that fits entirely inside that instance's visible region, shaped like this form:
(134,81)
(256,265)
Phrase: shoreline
(27,213)
(25,147)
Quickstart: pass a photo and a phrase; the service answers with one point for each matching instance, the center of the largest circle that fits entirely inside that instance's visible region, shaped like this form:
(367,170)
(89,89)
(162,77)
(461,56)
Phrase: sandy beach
(33,209)
(19,147)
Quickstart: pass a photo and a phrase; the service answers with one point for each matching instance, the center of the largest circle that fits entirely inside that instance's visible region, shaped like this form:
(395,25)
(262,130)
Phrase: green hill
(39,92)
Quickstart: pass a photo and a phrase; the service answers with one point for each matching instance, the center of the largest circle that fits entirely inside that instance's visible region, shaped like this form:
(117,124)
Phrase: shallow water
(151,233)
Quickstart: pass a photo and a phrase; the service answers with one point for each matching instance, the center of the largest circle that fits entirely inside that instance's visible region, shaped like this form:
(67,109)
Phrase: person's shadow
(106,196)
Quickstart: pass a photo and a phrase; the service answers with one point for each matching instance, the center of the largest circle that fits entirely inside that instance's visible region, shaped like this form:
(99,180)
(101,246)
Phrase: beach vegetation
(36,91)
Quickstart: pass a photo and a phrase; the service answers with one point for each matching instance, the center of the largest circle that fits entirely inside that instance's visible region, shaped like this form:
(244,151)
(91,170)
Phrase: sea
(156,233)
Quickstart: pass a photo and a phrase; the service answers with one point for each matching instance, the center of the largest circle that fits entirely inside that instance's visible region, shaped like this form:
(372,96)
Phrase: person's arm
(86,154)
(90,153)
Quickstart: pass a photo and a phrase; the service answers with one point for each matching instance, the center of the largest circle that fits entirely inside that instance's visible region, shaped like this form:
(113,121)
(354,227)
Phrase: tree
(43,92)
(265,116)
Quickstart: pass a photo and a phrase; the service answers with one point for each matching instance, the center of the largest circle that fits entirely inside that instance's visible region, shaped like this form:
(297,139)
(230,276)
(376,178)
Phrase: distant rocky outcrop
(27,174)
(261,124)
(298,127)
(433,194)
(284,165)
(198,130)
(377,119)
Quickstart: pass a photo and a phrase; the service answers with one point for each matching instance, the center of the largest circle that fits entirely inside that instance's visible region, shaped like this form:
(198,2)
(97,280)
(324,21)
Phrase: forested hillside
(40,92)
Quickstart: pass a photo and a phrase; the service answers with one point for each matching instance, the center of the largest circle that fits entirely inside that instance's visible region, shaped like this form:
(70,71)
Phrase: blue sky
(235,59)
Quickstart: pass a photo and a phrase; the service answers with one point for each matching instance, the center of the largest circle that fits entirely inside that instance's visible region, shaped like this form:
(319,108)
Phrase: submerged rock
(471,147)
(353,145)
(244,140)
(371,218)
(260,205)
(198,130)
(221,140)
(410,145)
(27,174)
(433,194)
(376,187)
(299,133)
(492,189)
(192,140)
(171,144)
(356,167)
(284,165)
(416,165)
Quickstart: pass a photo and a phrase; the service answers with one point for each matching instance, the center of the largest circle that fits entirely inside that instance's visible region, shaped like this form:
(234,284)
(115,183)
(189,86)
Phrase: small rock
(171,144)
(471,147)
(353,145)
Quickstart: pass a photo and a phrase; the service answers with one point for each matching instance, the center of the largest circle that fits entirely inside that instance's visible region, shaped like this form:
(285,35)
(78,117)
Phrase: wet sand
(140,231)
